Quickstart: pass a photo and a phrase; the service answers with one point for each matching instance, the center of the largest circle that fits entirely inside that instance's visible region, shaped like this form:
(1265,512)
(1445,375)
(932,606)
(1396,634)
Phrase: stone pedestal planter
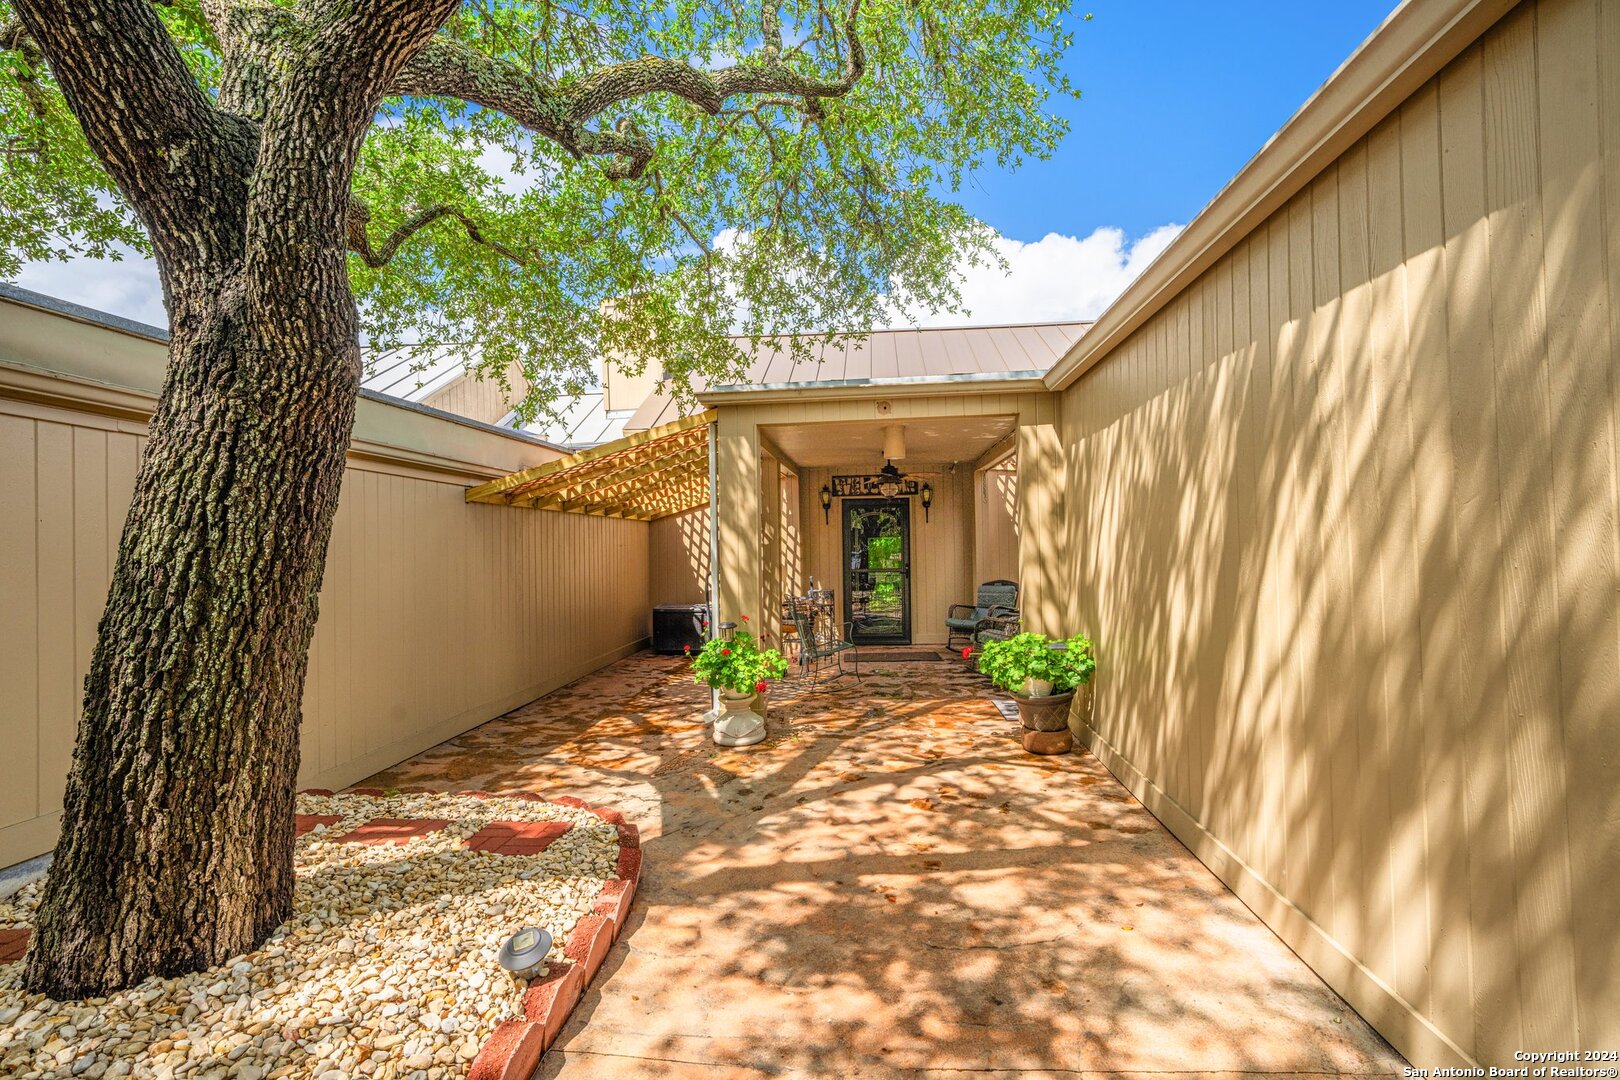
(738,724)
(1046,723)
(1048,742)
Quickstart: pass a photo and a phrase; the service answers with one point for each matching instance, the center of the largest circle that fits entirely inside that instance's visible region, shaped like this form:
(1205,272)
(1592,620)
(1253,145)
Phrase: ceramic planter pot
(1048,713)
(1046,723)
(738,724)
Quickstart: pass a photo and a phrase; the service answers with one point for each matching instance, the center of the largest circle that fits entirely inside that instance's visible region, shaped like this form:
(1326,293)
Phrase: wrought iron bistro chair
(821,647)
(994,608)
(820,600)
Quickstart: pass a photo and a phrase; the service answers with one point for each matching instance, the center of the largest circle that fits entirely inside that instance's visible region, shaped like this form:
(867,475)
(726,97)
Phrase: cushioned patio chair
(992,604)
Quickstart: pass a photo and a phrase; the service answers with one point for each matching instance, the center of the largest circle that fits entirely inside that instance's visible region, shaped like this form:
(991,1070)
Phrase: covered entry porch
(897,500)
(789,487)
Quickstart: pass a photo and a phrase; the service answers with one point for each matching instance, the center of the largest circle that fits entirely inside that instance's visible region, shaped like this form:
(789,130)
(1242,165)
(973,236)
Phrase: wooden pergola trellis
(648,475)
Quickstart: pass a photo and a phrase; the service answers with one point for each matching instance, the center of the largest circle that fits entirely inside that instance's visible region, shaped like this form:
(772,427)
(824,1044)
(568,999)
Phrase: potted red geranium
(739,669)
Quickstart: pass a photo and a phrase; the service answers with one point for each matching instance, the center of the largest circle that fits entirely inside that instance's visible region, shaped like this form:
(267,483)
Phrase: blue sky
(1177,96)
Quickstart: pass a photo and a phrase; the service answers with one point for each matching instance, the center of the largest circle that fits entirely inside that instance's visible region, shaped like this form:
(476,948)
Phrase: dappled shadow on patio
(889,886)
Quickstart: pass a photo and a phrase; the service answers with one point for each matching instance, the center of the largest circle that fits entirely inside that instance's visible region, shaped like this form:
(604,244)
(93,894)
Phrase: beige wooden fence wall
(436,615)
(1343,518)
(678,558)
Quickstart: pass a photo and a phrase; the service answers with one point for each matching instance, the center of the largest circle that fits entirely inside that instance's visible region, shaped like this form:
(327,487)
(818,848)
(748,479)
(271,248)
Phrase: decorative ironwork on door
(877,571)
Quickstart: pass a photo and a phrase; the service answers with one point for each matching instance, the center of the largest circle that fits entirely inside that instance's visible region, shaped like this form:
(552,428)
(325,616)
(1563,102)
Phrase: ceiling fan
(891,481)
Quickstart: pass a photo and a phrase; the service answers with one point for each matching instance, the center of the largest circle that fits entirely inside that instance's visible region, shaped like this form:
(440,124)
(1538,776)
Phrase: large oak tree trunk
(177,830)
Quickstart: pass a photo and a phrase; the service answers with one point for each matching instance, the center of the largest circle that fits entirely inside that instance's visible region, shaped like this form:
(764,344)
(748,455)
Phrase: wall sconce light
(927,496)
(826,505)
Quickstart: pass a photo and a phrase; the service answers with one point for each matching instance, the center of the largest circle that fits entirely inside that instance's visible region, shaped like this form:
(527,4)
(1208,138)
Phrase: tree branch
(380,255)
(125,80)
(447,68)
(708,90)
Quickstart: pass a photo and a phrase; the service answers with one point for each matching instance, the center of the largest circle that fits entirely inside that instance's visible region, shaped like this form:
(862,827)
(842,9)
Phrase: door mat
(901,657)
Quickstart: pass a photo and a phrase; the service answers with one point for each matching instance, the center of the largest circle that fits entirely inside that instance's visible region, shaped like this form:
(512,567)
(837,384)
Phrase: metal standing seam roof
(889,354)
(586,421)
(644,476)
(411,373)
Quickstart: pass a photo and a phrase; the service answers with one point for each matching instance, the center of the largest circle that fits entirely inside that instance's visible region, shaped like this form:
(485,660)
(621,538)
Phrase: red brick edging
(13,944)
(513,1050)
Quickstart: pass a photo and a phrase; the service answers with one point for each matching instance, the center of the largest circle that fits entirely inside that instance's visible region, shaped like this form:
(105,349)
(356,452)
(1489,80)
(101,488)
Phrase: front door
(877,571)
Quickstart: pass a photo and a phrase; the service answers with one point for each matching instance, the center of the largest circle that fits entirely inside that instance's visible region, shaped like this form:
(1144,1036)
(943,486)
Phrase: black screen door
(877,571)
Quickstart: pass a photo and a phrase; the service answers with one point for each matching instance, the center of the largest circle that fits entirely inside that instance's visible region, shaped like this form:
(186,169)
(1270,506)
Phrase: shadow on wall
(679,552)
(1343,520)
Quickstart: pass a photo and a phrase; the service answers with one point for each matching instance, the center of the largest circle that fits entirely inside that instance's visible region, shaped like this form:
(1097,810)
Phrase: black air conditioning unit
(675,626)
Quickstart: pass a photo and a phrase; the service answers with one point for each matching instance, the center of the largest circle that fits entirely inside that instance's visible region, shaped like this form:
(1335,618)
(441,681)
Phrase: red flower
(967,653)
(688,649)
(725,652)
(759,687)
(745,618)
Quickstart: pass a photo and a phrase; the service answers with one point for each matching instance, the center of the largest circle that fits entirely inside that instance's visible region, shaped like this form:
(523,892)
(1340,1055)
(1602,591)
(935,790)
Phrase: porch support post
(1042,530)
(737,552)
(714,547)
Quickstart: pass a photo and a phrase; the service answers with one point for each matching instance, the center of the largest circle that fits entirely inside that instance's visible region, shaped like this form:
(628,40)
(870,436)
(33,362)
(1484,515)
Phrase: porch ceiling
(651,474)
(932,441)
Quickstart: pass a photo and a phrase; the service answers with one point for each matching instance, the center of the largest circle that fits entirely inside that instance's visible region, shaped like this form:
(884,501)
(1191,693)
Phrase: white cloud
(128,287)
(1054,278)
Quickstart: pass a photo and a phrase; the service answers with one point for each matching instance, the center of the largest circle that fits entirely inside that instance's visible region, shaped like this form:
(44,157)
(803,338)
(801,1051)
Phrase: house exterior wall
(436,615)
(995,524)
(941,546)
(480,399)
(1342,517)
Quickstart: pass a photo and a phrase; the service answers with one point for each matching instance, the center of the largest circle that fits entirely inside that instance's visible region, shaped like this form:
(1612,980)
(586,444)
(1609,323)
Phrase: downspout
(714,552)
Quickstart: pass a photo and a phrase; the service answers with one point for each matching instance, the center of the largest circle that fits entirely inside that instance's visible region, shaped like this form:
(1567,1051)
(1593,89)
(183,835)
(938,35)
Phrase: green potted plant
(1041,675)
(739,669)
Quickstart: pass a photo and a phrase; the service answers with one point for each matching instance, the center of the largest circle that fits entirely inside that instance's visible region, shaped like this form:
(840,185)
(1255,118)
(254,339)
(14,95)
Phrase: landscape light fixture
(826,505)
(927,497)
(525,951)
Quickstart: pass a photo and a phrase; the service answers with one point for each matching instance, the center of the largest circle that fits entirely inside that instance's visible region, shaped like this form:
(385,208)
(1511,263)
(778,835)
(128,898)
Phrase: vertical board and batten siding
(436,615)
(995,524)
(678,558)
(478,398)
(1343,518)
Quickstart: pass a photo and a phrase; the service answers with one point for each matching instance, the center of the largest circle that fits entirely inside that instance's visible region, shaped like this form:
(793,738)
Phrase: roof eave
(996,382)
(1408,49)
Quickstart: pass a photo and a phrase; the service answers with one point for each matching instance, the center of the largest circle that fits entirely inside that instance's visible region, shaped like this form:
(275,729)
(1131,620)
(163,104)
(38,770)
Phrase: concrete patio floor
(890,887)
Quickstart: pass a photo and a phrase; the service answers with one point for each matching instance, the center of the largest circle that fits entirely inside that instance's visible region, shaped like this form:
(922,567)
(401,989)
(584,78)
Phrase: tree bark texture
(177,838)
(176,851)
